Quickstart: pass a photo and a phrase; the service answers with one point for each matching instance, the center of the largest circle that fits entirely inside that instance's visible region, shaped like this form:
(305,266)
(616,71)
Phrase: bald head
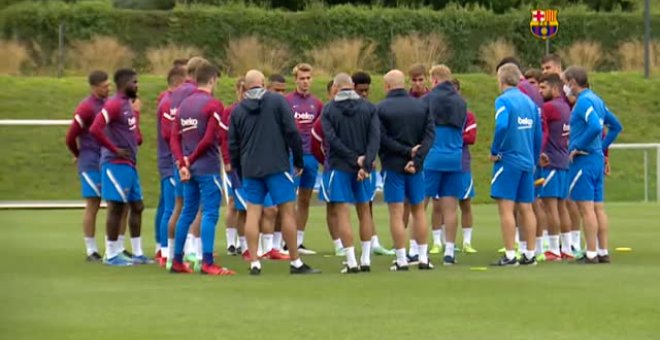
(343,81)
(394,79)
(254,78)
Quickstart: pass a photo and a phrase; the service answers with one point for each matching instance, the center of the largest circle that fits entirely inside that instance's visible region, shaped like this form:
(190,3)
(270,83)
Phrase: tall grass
(491,53)
(344,55)
(630,55)
(252,53)
(12,57)
(161,58)
(104,53)
(415,48)
(587,54)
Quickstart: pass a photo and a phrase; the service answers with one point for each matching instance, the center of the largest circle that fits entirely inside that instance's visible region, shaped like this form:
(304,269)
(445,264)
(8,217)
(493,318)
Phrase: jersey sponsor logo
(303,117)
(566,130)
(188,124)
(525,123)
(132,122)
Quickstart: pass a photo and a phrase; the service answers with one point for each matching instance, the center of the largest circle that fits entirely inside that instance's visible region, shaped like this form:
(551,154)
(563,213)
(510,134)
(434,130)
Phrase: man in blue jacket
(515,150)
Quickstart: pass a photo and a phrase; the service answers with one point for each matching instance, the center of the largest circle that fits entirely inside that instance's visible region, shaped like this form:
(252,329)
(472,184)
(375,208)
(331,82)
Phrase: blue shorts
(90,184)
(178,186)
(400,187)
(343,187)
(241,205)
(280,186)
(167,190)
(120,183)
(310,171)
(467,191)
(555,185)
(585,178)
(512,184)
(443,184)
(373,185)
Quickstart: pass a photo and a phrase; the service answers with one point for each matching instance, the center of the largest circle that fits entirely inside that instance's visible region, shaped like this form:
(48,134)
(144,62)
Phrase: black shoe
(127,253)
(304,270)
(231,251)
(365,269)
(349,270)
(524,261)
(239,250)
(413,260)
(505,262)
(425,266)
(585,260)
(604,259)
(448,260)
(396,268)
(255,271)
(94,257)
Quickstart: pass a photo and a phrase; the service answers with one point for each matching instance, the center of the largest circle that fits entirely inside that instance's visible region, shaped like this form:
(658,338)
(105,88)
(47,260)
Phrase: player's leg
(193,247)
(168,186)
(268,221)
(157,218)
(576,227)
(397,229)
(529,224)
(116,180)
(582,190)
(366,232)
(504,189)
(231,234)
(123,226)
(135,218)
(307,181)
(191,197)
(437,226)
(603,233)
(330,216)
(465,203)
(376,247)
(342,213)
(590,224)
(171,224)
(541,225)
(277,235)
(551,207)
(565,227)
(113,250)
(449,192)
(414,194)
(89,228)
(211,197)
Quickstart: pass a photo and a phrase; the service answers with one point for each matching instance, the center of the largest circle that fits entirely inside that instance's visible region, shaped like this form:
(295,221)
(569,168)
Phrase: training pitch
(47,291)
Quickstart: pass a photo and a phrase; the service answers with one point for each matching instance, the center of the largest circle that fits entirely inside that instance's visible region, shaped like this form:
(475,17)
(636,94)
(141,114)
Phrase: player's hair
(509,74)
(551,58)
(456,83)
(578,74)
(361,78)
(328,86)
(508,60)
(533,73)
(240,84)
(96,78)
(442,72)
(342,80)
(181,62)
(552,79)
(123,76)
(276,78)
(302,67)
(176,75)
(416,70)
(193,64)
(205,73)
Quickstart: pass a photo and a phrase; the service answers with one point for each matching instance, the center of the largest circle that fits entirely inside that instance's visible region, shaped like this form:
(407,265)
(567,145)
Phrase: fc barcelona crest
(544,24)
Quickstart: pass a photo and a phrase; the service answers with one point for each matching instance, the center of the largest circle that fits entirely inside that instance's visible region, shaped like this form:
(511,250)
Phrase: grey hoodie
(261,133)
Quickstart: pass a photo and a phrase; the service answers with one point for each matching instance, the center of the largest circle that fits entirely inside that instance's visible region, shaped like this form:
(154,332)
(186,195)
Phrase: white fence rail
(646,147)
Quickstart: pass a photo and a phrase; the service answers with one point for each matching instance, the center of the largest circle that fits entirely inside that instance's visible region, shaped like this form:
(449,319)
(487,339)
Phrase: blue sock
(208,258)
(178,257)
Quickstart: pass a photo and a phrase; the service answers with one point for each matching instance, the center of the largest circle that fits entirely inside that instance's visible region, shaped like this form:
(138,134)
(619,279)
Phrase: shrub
(252,53)
(630,55)
(161,58)
(427,49)
(587,54)
(104,53)
(13,56)
(344,55)
(491,53)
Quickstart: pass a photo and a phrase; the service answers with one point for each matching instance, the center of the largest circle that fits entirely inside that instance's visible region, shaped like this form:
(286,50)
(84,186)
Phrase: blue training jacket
(587,120)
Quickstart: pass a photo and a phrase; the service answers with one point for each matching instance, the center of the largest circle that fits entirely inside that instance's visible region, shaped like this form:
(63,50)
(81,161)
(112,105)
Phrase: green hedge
(211,27)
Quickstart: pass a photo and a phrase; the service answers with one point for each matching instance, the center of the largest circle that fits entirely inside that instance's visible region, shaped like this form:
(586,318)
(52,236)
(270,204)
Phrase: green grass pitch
(47,291)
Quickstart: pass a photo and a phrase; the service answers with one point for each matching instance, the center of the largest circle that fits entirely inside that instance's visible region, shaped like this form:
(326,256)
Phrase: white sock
(255,264)
(510,254)
(545,236)
(566,243)
(539,246)
(437,237)
(338,244)
(297,263)
(423,253)
(602,252)
(198,248)
(523,246)
(136,246)
(576,240)
(243,242)
(350,257)
(267,241)
(90,245)
(401,258)
(554,244)
(120,243)
(165,252)
(449,249)
(231,233)
(375,243)
(365,259)
(517,237)
(301,237)
(277,240)
(170,249)
(189,246)
(414,250)
(530,254)
(260,245)
(591,254)
(467,235)
(157,248)
(111,249)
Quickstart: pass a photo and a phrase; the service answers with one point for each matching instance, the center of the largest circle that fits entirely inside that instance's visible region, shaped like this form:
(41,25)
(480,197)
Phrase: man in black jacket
(351,128)
(407,132)
(261,133)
